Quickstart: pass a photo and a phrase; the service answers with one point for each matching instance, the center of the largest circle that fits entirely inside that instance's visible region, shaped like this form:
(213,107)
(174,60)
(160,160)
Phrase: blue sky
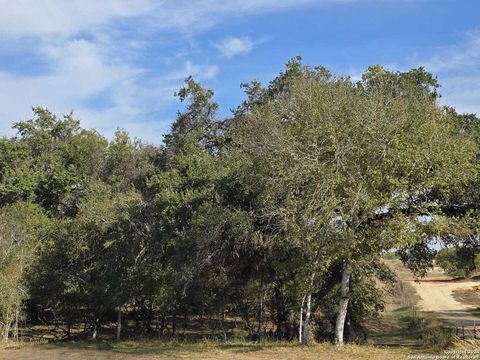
(117,63)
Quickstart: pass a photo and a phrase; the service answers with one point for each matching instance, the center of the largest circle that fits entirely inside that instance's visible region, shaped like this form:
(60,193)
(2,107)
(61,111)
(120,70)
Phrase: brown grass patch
(206,350)
(470,296)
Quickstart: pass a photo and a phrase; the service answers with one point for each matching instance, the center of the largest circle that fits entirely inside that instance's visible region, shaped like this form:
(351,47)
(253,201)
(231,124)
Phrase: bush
(438,339)
(428,329)
(456,262)
(416,323)
(477,262)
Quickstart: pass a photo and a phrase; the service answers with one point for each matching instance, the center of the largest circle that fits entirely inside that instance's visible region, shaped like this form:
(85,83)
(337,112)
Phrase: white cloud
(69,17)
(458,71)
(457,68)
(92,49)
(80,71)
(85,72)
(231,46)
(64,18)
(195,70)
(189,16)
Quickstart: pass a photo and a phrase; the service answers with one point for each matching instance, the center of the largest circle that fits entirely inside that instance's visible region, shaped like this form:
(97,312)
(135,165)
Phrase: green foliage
(457,262)
(343,170)
(417,258)
(241,217)
(477,262)
(19,225)
(48,162)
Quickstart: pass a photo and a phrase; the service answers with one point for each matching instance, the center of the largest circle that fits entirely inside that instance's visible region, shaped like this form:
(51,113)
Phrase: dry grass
(469,344)
(469,296)
(202,350)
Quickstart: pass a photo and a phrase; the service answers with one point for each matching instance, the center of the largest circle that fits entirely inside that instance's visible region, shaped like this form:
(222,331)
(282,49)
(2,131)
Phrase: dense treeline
(276,217)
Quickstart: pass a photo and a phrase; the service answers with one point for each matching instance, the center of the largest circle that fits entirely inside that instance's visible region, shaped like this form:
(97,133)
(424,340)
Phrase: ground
(437,296)
(154,351)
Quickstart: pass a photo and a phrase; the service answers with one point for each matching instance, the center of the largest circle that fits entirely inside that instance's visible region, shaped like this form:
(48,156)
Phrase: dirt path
(437,296)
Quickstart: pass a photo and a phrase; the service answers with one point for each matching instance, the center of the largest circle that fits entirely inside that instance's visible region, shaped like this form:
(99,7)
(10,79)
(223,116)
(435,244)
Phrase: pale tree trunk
(343,304)
(305,336)
(6,330)
(119,324)
(96,328)
(15,331)
(300,322)
(304,331)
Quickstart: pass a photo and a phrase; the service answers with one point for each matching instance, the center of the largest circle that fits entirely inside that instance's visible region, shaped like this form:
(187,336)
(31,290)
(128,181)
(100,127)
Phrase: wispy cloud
(191,16)
(457,67)
(89,56)
(458,70)
(80,71)
(231,46)
(59,18)
(91,53)
(66,18)
(195,70)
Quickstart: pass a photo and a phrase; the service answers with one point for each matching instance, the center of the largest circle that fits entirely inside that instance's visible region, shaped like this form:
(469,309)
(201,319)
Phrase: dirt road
(437,296)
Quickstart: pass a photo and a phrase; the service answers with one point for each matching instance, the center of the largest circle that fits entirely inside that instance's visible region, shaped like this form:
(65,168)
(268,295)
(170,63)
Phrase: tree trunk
(185,322)
(281,315)
(15,329)
(473,260)
(162,324)
(119,324)
(6,330)
(305,335)
(343,304)
(85,325)
(300,322)
(304,332)
(174,324)
(260,317)
(96,328)
(224,333)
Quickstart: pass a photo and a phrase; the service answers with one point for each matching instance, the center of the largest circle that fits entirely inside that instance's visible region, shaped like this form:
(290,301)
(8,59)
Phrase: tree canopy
(277,215)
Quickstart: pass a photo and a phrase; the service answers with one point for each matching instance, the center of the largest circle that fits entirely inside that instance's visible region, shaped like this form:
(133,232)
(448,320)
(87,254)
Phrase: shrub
(456,262)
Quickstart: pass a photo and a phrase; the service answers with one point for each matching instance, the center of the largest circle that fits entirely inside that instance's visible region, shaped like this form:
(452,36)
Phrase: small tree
(18,225)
